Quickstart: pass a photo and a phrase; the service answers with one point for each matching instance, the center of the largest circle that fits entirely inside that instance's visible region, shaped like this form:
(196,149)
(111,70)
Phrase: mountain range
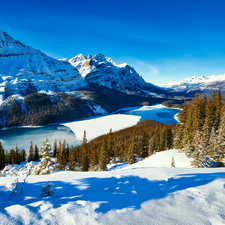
(189,86)
(36,89)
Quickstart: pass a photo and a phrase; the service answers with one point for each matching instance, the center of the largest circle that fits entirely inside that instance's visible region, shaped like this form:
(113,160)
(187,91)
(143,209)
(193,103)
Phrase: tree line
(126,145)
(201,133)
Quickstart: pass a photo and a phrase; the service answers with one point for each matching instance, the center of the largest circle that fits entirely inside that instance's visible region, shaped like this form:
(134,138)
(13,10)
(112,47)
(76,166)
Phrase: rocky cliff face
(103,71)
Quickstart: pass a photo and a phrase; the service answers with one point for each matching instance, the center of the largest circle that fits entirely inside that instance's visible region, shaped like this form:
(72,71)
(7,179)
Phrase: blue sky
(163,40)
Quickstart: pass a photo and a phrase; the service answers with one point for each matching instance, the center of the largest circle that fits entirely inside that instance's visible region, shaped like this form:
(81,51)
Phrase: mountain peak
(7,41)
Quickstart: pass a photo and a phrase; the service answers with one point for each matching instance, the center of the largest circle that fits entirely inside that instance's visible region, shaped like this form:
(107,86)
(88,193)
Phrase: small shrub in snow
(173,162)
(47,190)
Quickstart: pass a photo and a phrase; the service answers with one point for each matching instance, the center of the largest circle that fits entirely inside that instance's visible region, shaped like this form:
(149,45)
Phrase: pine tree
(12,156)
(219,106)
(23,155)
(110,144)
(55,149)
(2,157)
(85,154)
(183,113)
(144,145)
(47,164)
(94,156)
(36,153)
(47,190)
(198,157)
(103,159)
(169,137)
(71,160)
(31,152)
(17,156)
(221,140)
(61,157)
(212,145)
(131,154)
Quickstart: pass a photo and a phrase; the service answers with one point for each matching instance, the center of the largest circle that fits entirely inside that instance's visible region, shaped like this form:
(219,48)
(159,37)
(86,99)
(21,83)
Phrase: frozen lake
(73,132)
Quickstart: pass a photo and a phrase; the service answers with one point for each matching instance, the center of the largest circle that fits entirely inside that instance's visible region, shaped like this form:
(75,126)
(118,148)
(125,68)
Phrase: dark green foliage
(144,144)
(23,155)
(2,157)
(36,153)
(55,149)
(103,158)
(31,152)
(85,154)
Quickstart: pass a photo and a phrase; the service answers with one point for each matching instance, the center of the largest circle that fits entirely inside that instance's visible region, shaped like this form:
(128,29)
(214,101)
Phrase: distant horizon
(162,40)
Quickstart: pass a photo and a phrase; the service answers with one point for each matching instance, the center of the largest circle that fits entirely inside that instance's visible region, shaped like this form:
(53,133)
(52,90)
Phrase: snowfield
(148,192)
(95,127)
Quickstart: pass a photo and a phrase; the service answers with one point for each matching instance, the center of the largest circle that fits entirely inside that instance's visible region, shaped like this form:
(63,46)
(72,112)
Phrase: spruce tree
(85,154)
(47,165)
(94,156)
(61,157)
(144,145)
(12,156)
(131,154)
(2,157)
(71,160)
(169,137)
(103,159)
(110,144)
(219,106)
(17,156)
(36,153)
(31,152)
(221,140)
(183,113)
(23,155)
(55,149)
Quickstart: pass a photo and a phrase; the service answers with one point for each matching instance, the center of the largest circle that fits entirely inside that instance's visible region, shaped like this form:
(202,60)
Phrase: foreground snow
(143,193)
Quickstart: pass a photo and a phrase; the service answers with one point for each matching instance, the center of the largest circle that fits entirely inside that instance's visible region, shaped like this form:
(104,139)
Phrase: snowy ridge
(213,82)
(101,70)
(143,193)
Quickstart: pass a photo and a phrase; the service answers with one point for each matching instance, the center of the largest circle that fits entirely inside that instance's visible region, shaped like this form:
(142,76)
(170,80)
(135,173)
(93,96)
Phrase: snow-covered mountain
(36,89)
(38,83)
(103,71)
(189,86)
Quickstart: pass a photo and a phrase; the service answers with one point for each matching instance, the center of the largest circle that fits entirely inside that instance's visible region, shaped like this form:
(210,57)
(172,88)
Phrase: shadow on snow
(112,193)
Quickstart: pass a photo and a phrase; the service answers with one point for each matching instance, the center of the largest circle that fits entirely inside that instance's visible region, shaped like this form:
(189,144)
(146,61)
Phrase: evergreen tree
(61,157)
(169,137)
(47,190)
(2,157)
(47,164)
(36,153)
(85,154)
(12,156)
(183,113)
(110,144)
(94,156)
(219,106)
(221,140)
(131,154)
(212,145)
(23,155)
(156,140)
(103,159)
(144,145)
(17,156)
(55,149)
(71,160)
(31,152)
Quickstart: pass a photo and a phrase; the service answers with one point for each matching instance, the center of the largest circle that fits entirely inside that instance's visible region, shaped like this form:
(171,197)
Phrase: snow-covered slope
(101,70)
(143,193)
(201,84)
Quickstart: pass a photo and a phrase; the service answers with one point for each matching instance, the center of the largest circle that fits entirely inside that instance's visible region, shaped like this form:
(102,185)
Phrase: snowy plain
(148,192)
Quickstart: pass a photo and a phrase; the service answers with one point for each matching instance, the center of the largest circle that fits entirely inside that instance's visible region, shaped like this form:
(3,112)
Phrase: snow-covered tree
(47,164)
